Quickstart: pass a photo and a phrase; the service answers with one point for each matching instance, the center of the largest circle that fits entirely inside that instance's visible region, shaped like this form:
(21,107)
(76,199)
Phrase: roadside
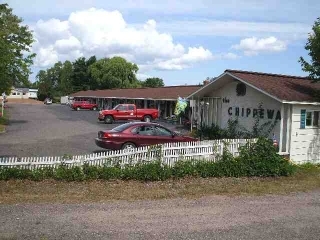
(50,191)
(23,101)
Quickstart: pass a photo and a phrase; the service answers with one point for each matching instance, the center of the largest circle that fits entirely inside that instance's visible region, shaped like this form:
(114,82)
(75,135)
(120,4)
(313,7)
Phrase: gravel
(295,216)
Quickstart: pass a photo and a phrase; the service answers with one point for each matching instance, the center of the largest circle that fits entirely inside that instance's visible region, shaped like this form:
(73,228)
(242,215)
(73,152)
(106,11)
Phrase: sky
(182,42)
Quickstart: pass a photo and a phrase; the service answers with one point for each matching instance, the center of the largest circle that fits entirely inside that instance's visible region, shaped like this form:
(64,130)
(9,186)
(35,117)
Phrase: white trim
(221,75)
(239,79)
(301,103)
(256,88)
(289,118)
(281,128)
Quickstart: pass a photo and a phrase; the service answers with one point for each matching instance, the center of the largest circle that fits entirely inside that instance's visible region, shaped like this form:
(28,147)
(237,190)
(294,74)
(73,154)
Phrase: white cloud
(106,34)
(207,27)
(254,46)
(143,77)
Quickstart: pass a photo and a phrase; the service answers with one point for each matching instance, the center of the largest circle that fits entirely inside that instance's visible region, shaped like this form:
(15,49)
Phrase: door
(165,135)
(85,105)
(147,136)
(131,112)
(122,112)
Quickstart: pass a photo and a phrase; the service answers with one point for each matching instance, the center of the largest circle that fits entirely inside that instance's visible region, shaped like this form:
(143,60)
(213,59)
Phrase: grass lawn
(50,191)
(3,120)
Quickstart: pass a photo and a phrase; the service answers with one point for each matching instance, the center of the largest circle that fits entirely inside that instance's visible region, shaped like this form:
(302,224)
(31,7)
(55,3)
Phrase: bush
(258,159)
(262,159)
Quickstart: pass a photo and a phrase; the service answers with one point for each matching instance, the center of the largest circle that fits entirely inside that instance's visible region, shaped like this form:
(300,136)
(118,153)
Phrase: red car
(138,134)
(78,105)
(128,112)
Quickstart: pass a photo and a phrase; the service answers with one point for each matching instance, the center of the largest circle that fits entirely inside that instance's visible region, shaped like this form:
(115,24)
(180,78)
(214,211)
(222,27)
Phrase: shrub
(184,168)
(69,174)
(262,159)
(255,159)
(108,173)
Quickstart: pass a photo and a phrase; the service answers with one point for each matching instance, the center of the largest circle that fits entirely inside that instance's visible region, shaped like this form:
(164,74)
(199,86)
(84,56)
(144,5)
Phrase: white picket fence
(167,153)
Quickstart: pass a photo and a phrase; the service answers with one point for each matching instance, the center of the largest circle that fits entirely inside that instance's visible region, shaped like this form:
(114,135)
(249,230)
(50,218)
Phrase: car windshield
(116,107)
(122,127)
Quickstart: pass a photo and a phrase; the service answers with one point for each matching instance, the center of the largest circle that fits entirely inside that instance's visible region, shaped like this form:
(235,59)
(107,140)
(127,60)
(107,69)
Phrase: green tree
(44,85)
(114,72)
(65,83)
(153,82)
(80,74)
(313,47)
(81,77)
(15,42)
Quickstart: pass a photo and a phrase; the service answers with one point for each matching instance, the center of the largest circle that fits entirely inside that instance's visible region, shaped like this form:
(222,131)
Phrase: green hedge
(256,159)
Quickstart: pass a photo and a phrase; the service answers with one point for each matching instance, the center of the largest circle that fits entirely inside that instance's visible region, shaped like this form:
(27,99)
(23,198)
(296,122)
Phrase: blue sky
(182,42)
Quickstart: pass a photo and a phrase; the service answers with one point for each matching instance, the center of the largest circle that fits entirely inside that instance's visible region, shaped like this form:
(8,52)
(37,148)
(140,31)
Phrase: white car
(48,101)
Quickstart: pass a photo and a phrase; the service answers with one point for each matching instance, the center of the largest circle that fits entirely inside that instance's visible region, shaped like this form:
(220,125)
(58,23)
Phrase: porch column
(288,138)
(170,109)
(281,128)
(145,103)
(165,109)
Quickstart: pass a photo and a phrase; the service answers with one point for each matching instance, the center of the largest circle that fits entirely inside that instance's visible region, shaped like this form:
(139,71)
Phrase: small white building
(289,102)
(33,93)
(23,93)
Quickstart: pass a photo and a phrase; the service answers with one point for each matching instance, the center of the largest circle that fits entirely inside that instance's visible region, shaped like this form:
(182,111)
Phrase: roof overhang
(301,103)
(224,79)
(153,99)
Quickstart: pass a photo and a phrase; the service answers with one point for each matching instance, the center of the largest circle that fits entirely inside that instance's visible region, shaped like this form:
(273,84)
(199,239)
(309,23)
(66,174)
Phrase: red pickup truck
(128,112)
(78,105)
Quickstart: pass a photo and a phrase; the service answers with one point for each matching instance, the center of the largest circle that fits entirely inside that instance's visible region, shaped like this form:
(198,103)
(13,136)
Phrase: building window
(14,93)
(312,118)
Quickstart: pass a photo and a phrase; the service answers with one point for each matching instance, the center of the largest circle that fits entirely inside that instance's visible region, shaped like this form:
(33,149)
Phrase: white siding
(250,100)
(305,143)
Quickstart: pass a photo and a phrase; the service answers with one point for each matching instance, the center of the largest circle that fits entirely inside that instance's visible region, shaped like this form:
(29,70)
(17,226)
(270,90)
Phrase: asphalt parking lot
(50,130)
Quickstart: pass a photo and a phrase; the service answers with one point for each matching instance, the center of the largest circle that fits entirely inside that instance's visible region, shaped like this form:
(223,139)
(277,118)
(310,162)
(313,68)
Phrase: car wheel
(108,119)
(94,109)
(78,108)
(147,118)
(128,146)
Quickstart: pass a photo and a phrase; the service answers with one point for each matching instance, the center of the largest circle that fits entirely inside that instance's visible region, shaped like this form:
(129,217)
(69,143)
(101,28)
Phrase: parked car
(138,134)
(128,112)
(48,101)
(78,105)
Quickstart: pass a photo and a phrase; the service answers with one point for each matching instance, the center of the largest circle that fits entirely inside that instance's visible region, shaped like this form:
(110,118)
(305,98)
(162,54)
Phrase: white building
(23,93)
(290,101)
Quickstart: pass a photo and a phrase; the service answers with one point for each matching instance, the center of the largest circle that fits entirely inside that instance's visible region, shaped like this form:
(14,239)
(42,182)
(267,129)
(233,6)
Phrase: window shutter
(303,119)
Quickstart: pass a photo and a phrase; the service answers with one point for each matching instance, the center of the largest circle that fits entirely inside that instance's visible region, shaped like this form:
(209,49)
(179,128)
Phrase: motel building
(291,103)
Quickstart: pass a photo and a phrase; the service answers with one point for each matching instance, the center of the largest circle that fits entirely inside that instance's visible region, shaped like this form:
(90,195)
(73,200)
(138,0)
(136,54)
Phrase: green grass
(4,120)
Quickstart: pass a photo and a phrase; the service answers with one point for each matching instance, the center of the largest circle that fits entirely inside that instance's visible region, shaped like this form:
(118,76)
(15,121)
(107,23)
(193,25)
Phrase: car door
(85,105)
(122,112)
(131,112)
(147,135)
(164,135)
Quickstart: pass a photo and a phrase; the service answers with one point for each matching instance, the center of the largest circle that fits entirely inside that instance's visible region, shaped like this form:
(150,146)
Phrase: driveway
(294,217)
(41,130)
(50,130)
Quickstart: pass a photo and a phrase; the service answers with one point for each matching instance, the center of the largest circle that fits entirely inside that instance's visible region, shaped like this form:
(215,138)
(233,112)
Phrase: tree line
(68,77)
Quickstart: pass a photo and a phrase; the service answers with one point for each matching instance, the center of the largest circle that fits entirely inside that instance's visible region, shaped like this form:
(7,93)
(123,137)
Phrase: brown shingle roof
(168,92)
(283,87)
